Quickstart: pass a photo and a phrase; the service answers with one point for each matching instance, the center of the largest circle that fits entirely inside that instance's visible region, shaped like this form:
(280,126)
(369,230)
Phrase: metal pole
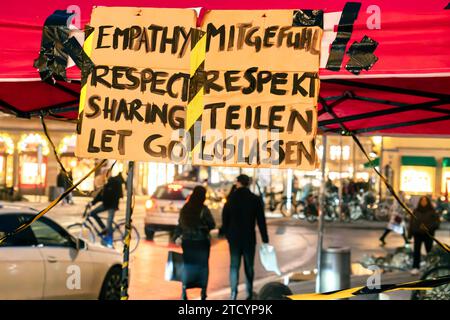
(126,245)
(16,171)
(354,160)
(341,189)
(39,160)
(321,213)
(289,178)
(254,180)
(380,182)
(270,180)
(209,175)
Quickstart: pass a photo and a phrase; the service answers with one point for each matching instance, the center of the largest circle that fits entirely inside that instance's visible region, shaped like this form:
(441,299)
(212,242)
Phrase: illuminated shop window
(417,180)
(445,180)
(67,144)
(445,183)
(6,144)
(6,160)
(336,175)
(30,174)
(159,174)
(335,152)
(31,143)
(362,176)
(79,167)
(320,151)
(33,149)
(377,140)
(215,176)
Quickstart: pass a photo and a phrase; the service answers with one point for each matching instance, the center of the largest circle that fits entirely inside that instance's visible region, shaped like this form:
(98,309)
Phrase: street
(295,242)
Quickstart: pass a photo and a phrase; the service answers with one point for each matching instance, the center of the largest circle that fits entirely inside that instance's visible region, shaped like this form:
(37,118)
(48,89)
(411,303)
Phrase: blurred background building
(413,165)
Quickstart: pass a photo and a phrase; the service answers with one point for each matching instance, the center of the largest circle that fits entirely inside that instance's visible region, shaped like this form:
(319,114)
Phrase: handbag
(174,266)
(268,258)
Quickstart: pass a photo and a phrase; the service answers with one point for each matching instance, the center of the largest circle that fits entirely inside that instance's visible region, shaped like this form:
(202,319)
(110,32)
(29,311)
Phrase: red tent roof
(409,83)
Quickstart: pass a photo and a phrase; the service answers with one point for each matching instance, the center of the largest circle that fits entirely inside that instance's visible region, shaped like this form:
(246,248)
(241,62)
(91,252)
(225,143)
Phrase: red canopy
(405,91)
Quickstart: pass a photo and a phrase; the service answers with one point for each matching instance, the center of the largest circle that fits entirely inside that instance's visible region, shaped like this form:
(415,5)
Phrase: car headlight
(149,204)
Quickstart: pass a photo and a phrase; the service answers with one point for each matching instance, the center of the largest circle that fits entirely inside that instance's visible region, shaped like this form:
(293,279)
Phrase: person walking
(194,226)
(396,221)
(109,197)
(69,183)
(221,229)
(61,185)
(239,217)
(428,217)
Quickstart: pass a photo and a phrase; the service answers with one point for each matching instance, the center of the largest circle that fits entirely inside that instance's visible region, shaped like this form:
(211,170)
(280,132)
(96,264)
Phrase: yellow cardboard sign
(239,91)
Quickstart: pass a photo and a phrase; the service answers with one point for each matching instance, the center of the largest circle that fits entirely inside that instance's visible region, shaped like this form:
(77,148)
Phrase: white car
(162,210)
(45,262)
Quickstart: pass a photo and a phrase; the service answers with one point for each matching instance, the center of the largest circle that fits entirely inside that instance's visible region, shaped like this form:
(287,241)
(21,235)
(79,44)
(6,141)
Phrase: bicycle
(383,209)
(88,230)
(297,206)
(272,202)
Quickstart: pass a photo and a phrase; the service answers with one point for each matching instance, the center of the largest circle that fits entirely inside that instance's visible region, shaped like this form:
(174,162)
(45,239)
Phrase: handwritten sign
(242,91)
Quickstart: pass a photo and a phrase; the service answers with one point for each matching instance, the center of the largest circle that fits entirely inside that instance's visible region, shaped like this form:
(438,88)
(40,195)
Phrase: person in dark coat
(428,217)
(109,197)
(69,183)
(195,223)
(61,183)
(232,189)
(239,217)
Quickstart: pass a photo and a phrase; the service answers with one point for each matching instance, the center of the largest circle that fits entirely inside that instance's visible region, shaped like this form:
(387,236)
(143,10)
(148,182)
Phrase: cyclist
(109,197)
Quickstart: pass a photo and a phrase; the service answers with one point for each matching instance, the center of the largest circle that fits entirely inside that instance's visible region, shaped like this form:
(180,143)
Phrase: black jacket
(64,181)
(61,180)
(239,217)
(194,229)
(69,179)
(111,193)
(430,218)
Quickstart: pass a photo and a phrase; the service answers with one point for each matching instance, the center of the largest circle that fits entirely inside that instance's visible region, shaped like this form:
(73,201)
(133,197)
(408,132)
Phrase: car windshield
(172,193)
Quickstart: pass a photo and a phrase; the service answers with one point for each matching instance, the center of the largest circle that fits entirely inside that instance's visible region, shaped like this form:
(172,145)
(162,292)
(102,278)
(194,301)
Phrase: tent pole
(380,182)
(126,245)
(341,184)
(354,160)
(321,213)
(289,196)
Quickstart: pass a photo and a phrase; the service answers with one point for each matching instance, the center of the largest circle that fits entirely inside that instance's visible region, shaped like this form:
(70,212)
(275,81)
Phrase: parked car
(45,262)
(163,207)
